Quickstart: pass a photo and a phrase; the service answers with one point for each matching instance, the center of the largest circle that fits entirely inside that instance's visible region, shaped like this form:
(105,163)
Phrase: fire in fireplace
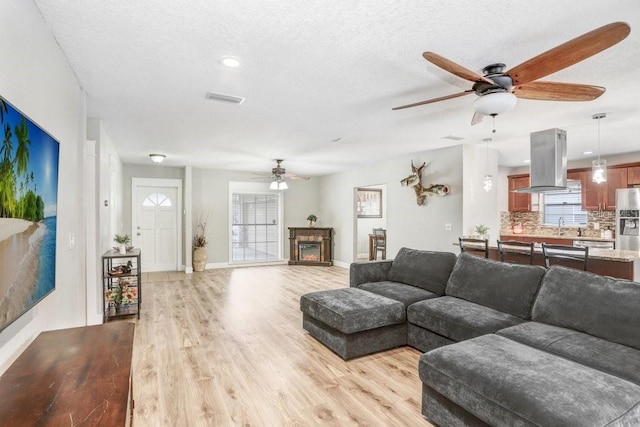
(309,251)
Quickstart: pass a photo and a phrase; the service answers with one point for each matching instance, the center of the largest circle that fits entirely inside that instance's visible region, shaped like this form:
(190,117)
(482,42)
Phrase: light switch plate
(72,241)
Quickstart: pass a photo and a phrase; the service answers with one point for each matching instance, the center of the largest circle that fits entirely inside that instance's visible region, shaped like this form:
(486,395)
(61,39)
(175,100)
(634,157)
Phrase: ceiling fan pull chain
(493,116)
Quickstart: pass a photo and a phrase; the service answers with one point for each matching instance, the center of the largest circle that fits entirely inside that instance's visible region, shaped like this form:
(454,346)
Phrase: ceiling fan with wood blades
(498,89)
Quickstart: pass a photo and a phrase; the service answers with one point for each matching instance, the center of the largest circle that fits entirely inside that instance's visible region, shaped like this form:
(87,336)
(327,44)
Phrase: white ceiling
(315,71)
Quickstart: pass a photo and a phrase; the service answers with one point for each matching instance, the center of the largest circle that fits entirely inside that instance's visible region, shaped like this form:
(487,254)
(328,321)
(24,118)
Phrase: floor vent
(238,100)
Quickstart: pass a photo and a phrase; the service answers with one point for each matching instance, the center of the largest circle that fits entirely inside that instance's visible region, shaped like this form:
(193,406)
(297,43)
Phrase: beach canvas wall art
(28,206)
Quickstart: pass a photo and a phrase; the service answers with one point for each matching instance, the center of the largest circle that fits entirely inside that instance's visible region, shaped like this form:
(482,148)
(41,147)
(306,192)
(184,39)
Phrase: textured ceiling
(316,71)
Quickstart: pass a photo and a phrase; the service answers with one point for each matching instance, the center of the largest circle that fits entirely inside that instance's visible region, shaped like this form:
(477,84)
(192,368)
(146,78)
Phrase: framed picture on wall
(28,213)
(369,203)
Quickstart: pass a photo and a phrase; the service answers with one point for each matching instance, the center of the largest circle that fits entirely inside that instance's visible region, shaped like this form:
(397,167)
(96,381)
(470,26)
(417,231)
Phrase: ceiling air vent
(238,100)
(453,137)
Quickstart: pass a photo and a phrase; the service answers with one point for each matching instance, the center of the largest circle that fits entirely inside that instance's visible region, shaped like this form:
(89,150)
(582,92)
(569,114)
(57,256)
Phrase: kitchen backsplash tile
(531,223)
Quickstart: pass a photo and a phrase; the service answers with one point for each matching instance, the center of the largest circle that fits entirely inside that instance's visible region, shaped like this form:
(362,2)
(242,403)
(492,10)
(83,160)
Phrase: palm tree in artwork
(22,152)
(7,144)
(3,109)
(7,178)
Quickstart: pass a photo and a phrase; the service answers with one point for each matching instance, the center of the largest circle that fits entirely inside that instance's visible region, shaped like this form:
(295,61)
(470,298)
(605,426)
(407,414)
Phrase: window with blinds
(254,228)
(565,204)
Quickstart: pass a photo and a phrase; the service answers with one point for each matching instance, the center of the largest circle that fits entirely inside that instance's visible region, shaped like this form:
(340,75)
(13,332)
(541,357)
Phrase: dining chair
(568,256)
(474,246)
(379,243)
(515,252)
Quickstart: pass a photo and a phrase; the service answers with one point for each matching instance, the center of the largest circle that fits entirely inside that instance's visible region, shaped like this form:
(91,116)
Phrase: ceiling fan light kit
(278,184)
(495,103)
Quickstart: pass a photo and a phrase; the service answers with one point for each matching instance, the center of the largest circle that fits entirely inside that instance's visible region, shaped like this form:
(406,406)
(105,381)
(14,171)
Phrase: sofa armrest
(366,272)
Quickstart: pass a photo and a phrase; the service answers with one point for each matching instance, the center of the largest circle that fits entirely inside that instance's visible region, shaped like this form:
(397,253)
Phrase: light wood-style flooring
(226,347)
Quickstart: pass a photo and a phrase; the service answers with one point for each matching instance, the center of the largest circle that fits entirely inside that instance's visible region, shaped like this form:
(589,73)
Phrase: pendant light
(487,181)
(599,167)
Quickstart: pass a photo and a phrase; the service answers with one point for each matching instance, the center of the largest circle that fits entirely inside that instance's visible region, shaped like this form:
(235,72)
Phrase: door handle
(137,234)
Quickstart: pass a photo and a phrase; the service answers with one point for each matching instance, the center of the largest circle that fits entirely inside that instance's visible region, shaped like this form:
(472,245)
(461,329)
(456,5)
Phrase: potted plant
(312,220)
(123,240)
(481,230)
(200,243)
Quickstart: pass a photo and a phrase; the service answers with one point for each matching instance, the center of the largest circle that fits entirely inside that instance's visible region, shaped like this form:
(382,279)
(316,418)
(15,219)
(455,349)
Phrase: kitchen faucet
(560,224)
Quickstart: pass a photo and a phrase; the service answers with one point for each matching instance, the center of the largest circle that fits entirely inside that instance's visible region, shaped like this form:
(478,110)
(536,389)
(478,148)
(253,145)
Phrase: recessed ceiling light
(527,161)
(587,152)
(229,61)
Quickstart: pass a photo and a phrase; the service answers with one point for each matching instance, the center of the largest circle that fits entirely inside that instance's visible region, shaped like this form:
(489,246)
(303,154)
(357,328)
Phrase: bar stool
(471,245)
(568,256)
(515,252)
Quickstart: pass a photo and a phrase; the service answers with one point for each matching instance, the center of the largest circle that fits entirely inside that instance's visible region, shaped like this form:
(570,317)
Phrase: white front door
(156,206)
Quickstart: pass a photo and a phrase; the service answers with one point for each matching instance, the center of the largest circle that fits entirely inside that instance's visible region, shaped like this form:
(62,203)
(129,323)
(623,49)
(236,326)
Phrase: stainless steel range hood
(548,168)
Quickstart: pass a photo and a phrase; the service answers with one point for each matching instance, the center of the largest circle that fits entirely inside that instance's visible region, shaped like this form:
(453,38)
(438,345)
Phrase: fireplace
(309,251)
(310,246)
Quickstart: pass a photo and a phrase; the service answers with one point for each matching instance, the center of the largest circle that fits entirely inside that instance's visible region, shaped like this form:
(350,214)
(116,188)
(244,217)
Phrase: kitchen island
(606,262)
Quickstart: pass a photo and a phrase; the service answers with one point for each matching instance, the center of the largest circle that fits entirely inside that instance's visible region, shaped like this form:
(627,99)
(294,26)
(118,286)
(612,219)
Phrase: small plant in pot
(122,240)
(481,230)
(312,220)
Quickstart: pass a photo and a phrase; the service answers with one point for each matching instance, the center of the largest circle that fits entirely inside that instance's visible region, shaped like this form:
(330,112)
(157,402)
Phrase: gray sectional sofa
(505,344)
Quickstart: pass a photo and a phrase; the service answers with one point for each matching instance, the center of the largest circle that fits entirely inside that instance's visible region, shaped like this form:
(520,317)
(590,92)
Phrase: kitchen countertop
(594,253)
(614,254)
(555,236)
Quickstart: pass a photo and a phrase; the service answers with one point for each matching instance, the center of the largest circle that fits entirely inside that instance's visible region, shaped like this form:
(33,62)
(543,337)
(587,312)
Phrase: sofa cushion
(458,319)
(504,382)
(425,269)
(350,310)
(406,294)
(510,288)
(606,356)
(597,305)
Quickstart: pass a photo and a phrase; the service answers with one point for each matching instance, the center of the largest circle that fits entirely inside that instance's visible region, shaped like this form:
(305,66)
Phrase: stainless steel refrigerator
(627,219)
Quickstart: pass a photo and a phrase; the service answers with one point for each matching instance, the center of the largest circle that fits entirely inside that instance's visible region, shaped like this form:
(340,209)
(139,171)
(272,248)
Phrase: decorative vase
(312,224)
(123,249)
(199,259)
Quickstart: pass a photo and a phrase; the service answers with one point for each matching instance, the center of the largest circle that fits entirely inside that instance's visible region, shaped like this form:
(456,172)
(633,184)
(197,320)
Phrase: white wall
(107,205)
(36,78)
(409,225)
(211,192)
(480,206)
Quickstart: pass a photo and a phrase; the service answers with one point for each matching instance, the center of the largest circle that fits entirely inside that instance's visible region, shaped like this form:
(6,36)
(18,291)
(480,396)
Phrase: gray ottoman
(353,322)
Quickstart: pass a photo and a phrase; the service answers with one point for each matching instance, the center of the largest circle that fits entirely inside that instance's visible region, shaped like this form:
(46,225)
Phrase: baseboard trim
(341,264)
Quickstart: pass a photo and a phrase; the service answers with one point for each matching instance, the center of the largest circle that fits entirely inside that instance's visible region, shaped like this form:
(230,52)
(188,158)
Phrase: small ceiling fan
(498,90)
(278,176)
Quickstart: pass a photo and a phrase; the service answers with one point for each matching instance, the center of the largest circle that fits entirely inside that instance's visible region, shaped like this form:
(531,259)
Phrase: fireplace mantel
(310,246)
